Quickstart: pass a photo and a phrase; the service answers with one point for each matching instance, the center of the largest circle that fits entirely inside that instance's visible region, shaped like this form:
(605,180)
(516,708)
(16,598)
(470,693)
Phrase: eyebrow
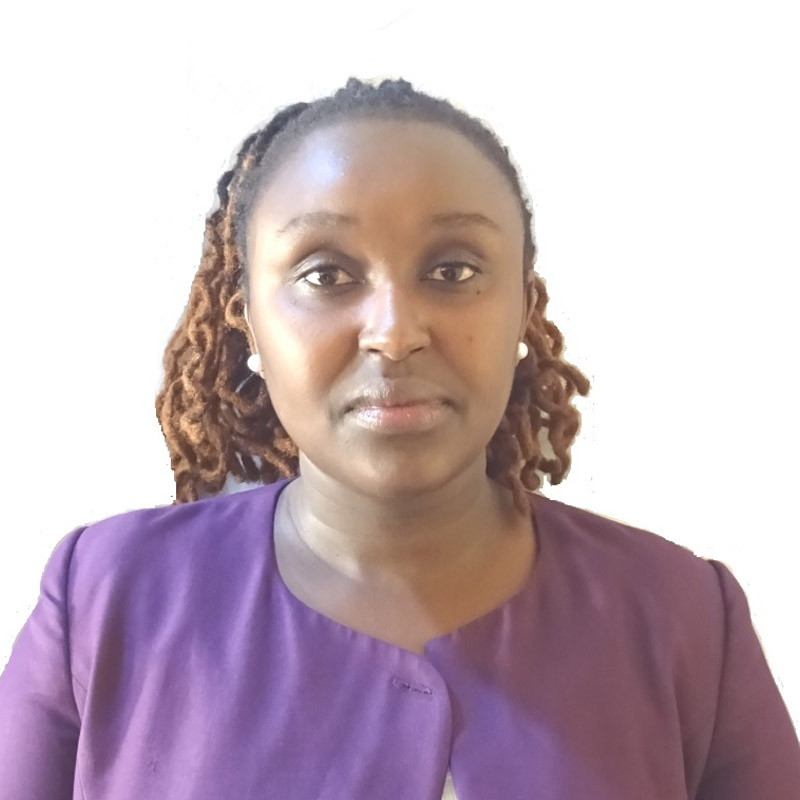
(330,219)
(458,219)
(317,219)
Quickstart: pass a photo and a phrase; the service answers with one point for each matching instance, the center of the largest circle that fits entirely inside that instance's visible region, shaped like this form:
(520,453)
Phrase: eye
(454,272)
(326,276)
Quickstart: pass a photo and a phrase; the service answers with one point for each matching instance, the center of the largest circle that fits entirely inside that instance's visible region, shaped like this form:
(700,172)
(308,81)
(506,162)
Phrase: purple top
(167,659)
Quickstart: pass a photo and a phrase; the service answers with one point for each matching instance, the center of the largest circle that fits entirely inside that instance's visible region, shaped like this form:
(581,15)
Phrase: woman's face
(385,264)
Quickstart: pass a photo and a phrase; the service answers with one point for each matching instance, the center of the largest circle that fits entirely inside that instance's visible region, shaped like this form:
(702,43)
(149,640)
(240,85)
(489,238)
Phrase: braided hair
(216,415)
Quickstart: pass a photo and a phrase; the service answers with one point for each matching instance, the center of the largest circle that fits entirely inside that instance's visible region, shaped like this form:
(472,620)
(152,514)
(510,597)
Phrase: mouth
(402,405)
(414,417)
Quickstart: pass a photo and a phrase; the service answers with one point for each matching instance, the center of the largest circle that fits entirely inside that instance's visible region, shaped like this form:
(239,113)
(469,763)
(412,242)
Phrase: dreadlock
(216,415)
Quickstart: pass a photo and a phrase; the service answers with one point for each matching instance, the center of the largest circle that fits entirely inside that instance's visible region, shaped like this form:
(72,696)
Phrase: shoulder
(614,546)
(636,572)
(133,580)
(155,544)
(656,604)
(674,630)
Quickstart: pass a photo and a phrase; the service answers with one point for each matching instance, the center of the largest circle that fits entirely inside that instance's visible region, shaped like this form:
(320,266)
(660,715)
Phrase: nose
(394,323)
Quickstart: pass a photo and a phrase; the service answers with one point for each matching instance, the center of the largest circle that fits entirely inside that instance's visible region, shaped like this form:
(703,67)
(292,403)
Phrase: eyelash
(329,268)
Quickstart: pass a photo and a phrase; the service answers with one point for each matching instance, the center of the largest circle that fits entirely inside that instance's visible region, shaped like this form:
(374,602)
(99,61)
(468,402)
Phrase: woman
(395,613)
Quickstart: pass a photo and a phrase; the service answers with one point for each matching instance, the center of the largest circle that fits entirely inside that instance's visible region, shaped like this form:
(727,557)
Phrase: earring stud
(254,362)
(522,351)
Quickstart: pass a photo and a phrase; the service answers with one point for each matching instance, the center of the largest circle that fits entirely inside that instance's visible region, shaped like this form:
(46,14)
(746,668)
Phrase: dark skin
(400,536)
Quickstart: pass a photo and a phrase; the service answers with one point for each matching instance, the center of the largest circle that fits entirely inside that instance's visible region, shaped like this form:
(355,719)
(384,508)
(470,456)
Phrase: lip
(411,418)
(404,405)
(408,391)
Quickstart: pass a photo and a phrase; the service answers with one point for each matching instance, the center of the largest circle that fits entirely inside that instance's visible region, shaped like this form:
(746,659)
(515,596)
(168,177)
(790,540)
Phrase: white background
(659,143)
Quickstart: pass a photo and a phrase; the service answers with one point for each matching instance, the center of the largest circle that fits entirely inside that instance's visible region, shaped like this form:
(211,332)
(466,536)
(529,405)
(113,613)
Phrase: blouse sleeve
(754,751)
(39,720)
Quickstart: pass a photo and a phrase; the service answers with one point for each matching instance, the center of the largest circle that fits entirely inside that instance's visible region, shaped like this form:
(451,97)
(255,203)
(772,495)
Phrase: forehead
(367,163)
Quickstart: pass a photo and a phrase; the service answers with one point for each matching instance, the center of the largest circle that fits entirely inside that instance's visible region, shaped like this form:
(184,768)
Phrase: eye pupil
(450,273)
(323,276)
(455,272)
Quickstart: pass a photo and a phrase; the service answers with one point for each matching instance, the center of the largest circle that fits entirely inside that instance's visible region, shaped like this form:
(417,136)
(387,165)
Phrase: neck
(421,538)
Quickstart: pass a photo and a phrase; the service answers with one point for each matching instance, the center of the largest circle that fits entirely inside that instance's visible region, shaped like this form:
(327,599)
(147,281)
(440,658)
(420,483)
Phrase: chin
(400,486)
(397,478)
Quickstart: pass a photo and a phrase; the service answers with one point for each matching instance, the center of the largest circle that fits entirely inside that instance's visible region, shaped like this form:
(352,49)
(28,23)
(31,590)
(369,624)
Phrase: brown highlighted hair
(216,414)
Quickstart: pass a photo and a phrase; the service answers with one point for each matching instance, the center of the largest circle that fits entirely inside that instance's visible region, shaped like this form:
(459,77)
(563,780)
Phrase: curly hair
(216,415)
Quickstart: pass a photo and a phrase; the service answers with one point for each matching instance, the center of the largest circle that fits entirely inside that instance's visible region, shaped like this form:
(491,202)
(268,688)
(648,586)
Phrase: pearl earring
(522,351)
(254,362)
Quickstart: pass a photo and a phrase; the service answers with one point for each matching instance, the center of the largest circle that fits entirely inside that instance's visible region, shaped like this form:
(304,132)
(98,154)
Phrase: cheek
(490,340)
(493,380)
(303,352)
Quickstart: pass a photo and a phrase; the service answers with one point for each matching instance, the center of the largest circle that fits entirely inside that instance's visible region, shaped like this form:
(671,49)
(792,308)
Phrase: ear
(528,306)
(252,336)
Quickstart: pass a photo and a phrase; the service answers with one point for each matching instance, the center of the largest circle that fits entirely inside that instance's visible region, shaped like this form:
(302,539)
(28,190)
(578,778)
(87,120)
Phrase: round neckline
(506,607)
